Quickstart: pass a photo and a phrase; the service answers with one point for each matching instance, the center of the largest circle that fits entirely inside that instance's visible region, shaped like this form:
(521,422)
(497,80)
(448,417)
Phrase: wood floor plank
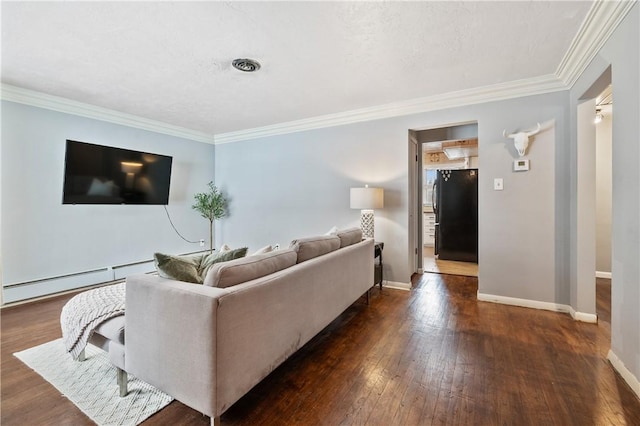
(431,356)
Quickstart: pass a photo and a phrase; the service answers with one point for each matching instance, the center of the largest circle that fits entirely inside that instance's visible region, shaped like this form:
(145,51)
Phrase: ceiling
(171,61)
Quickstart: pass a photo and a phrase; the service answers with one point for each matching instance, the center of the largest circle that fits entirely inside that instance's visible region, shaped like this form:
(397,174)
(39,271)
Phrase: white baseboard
(397,285)
(536,304)
(600,274)
(624,372)
(582,316)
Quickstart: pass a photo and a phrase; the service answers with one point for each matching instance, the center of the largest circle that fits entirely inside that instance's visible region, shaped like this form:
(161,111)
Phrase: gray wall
(42,238)
(622,53)
(296,185)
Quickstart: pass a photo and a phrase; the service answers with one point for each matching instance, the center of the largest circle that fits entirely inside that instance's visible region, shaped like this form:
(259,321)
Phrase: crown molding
(513,89)
(601,20)
(56,103)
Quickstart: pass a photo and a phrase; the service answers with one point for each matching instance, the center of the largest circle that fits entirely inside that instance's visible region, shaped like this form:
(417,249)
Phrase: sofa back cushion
(308,248)
(248,268)
(350,236)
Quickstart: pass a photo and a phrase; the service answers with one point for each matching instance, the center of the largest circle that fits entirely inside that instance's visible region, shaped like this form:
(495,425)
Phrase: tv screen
(96,174)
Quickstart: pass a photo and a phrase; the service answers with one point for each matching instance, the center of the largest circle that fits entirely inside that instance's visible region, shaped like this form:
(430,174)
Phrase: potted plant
(211,205)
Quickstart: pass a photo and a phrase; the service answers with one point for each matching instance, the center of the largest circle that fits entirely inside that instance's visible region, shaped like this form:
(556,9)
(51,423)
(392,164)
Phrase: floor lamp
(366,199)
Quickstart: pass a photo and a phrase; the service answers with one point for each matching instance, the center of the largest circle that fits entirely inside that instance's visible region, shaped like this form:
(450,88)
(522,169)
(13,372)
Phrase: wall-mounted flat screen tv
(96,174)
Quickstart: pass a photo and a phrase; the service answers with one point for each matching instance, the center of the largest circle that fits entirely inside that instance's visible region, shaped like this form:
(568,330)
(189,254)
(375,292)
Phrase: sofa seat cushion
(248,268)
(349,236)
(308,248)
(112,329)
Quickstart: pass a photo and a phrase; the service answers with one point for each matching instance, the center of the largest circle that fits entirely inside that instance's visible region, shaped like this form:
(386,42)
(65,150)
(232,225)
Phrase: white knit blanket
(87,310)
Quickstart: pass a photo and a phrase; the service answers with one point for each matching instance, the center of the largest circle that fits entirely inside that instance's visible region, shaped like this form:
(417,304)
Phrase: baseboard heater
(17,292)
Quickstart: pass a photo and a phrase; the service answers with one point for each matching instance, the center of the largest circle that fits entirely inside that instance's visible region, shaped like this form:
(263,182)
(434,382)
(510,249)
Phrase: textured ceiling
(170,61)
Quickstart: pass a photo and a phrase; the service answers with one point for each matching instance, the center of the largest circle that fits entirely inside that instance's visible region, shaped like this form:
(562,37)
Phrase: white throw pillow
(224,248)
(332,231)
(263,250)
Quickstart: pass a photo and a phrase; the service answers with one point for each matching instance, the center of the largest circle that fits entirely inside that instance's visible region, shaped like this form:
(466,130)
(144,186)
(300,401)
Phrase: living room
(292,180)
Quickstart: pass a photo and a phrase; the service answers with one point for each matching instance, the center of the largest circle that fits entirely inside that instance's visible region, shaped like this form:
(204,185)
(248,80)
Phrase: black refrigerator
(455,204)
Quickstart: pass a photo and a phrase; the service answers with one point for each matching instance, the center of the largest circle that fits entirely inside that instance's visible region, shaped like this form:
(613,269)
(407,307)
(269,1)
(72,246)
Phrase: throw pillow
(214,258)
(181,268)
(224,248)
(332,231)
(263,250)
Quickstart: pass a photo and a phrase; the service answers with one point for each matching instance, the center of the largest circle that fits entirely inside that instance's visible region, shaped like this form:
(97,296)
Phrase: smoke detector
(246,65)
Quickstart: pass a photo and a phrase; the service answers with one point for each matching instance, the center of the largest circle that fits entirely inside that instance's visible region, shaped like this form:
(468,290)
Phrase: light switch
(498,184)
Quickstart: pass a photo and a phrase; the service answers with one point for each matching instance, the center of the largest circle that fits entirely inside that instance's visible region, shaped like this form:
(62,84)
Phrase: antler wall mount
(521,139)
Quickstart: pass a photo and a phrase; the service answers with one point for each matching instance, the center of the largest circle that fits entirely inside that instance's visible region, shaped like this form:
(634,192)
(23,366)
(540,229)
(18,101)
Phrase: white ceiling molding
(600,22)
(603,18)
(56,103)
(495,92)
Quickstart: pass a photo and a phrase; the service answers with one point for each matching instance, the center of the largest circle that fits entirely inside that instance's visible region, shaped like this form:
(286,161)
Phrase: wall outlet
(201,243)
(498,184)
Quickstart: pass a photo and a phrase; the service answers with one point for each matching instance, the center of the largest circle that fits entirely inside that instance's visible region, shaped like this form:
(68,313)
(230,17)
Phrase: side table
(377,267)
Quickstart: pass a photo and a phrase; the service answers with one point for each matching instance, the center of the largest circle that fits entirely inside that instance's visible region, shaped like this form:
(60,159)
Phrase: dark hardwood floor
(432,356)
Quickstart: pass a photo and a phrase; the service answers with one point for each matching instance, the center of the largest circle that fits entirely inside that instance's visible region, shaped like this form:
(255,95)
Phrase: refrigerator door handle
(434,199)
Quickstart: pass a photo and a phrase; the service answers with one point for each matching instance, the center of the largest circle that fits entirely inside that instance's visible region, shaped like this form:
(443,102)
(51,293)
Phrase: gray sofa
(208,345)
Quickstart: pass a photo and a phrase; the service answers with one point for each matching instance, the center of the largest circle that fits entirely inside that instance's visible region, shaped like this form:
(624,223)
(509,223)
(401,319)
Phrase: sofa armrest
(170,339)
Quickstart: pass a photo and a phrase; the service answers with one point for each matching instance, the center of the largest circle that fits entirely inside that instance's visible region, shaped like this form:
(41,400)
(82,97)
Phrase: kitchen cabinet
(429,228)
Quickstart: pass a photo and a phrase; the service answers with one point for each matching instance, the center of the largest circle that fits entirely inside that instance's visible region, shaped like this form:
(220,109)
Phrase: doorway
(603,122)
(585,240)
(446,148)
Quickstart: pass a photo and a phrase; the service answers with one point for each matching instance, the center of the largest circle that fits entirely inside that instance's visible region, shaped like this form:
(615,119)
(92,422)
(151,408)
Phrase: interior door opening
(604,159)
(447,234)
(593,191)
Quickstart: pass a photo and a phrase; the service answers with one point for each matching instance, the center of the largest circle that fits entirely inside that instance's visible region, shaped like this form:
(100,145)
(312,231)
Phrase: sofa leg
(215,421)
(82,356)
(123,380)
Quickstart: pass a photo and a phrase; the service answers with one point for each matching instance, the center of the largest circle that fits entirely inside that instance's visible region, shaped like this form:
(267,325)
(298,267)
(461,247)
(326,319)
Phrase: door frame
(415,193)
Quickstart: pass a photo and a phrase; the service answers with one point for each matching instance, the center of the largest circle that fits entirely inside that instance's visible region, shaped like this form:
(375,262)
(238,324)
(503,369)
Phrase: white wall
(603,194)
(622,54)
(42,238)
(296,185)
(1,281)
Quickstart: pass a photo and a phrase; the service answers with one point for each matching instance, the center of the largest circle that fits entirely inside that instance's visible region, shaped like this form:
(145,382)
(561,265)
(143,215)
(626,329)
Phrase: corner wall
(622,54)
(45,243)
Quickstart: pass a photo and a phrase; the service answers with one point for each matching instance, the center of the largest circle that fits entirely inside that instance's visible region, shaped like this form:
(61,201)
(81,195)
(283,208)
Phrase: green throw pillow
(181,268)
(212,258)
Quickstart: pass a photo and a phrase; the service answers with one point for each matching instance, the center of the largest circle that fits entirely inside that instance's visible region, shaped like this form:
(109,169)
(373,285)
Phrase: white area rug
(91,384)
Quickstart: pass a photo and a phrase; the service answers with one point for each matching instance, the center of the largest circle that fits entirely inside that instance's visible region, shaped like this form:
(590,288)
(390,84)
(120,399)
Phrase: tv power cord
(177,232)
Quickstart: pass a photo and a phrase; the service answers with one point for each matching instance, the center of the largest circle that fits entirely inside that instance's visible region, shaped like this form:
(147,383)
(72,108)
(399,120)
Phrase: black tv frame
(100,174)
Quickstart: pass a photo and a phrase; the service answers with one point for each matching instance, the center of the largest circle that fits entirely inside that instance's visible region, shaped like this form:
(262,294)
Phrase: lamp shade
(367,198)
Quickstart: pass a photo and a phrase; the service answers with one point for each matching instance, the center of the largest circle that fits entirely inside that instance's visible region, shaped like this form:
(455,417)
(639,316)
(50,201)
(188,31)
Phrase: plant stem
(211,236)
